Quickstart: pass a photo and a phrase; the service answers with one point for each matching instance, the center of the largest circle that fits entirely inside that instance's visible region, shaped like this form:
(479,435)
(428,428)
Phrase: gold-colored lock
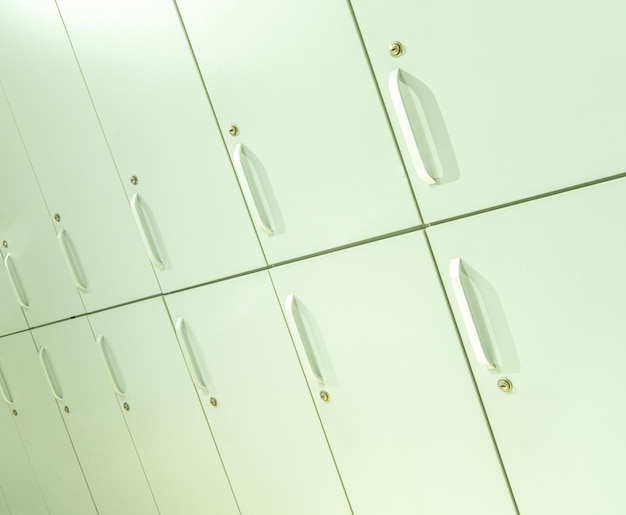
(134,180)
(395,49)
(213,402)
(505,385)
(233,130)
(324,396)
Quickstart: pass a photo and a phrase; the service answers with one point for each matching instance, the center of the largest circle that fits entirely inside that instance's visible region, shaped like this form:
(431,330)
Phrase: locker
(538,293)
(41,428)
(41,285)
(500,101)
(256,399)
(310,141)
(78,381)
(161,408)
(54,113)
(161,129)
(390,381)
(19,484)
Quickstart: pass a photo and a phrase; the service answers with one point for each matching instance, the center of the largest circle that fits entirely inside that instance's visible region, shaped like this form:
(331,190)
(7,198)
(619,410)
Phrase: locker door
(78,382)
(539,291)
(390,381)
(72,162)
(256,400)
(21,491)
(312,147)
(162,410)
(500,100)
(34,266)
(161,129)
(41,428)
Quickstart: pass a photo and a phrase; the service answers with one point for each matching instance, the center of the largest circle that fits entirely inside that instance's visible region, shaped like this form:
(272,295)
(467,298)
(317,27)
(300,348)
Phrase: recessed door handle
(14,281)
(144,230)
(50,376)
(72,261)
(466,315)
(252,192)
(109,361)
(291,306)
(194,367)
(408,130)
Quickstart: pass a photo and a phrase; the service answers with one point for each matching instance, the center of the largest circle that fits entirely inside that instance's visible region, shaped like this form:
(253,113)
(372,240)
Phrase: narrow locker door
(498,101)
(391,382)
(302,120)
(19,484)
(40,282)
(95,230)
(139,350)
(41,428)
(251,385)
(78,381)
(538,291)
(163,135)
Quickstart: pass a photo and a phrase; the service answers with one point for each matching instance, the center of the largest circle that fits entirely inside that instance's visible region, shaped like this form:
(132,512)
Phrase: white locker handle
(407,129)
(14,280)
(466,314)
(108,359)
(146,235)
(47,370)
(245,177)
(70,259)
(292,309)
(4,390)
(194,368)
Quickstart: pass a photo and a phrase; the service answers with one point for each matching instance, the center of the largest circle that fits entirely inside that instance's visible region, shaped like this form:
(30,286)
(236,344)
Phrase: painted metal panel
(391,382)
(543,284)
(264,421)
(161,129)
(503,100)
(139,349)
(78,381)
(313,150)
(41,429)
(70,156)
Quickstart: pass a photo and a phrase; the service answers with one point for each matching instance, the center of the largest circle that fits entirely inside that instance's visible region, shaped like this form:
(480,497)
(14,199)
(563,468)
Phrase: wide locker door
(391,383)
(41,428)
(78,381)
(163,135)
(538,291)
(256,399)
(499,101)
(95,230)
(303,122)
(18,481)
(39,280)
(148,374)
